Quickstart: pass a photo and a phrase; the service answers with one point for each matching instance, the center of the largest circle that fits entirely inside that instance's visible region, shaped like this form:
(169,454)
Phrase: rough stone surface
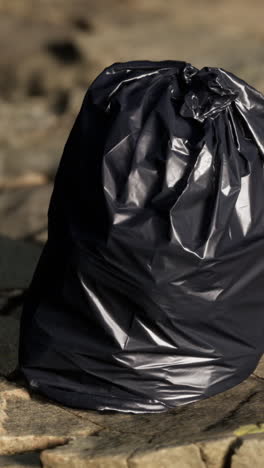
(94,452)
(220,414)
(250,454)
(186,456)
(32,423)
(214,453)
(121,456)
(210,424)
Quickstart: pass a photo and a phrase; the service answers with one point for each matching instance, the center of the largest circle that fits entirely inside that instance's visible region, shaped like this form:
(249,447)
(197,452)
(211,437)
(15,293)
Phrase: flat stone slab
(225,431)
(201,435)
(32,423)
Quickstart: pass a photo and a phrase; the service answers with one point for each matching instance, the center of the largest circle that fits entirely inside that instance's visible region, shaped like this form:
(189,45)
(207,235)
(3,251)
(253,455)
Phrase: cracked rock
(214,452)
(94,452)
(249,454)
(186,456)
(120,451)
(216,416)
(31,423)
(200,435)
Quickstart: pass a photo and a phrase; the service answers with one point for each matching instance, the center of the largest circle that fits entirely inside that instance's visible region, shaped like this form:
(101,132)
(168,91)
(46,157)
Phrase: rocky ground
(51,50)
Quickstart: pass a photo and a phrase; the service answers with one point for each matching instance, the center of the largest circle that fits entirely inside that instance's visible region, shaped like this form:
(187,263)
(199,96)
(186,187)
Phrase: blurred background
(51,50)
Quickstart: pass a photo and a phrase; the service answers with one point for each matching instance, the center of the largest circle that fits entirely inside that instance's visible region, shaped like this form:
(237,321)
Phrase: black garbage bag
(150,289)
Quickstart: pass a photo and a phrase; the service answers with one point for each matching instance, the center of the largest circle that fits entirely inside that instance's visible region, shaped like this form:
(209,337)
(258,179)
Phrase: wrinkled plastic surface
(150,290)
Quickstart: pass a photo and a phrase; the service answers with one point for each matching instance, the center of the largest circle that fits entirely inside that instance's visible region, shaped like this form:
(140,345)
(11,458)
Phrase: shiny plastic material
(150,290)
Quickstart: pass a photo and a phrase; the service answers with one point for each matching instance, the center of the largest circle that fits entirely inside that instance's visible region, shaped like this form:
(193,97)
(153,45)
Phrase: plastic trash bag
(150,290)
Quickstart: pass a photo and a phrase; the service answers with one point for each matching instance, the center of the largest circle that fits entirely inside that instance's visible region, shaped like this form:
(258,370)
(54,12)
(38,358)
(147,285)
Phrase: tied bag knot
(207,95)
